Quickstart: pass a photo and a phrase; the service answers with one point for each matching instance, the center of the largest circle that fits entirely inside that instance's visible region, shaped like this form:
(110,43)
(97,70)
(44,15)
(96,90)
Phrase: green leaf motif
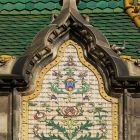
(58,110)
(54,88)
(85,88)
(59,128)
(70,72)
(99,109)
(86,125)
(51,137)
(82,127)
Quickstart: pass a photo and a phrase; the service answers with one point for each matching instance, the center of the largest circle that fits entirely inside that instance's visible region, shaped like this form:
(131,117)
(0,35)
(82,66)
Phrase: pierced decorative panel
(70,102)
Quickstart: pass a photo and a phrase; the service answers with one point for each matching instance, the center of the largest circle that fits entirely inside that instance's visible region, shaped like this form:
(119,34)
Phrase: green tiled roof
(20,20)
(17,31)
(26,6)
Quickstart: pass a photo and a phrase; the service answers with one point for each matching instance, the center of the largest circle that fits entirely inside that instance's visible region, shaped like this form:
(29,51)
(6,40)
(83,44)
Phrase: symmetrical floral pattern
(70,106)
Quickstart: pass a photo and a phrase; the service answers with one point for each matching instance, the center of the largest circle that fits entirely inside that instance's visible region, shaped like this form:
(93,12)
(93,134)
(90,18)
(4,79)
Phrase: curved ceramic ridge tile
(10,5)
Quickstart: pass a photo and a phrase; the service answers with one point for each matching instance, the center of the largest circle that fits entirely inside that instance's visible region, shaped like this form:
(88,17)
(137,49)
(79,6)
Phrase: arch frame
(36,92)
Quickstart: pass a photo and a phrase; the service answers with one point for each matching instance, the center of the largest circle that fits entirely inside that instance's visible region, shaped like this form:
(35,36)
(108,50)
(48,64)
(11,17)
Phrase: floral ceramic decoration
(70,106)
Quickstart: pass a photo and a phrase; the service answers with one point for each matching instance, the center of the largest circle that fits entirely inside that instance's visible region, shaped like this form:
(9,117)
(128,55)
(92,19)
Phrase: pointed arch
(39,86)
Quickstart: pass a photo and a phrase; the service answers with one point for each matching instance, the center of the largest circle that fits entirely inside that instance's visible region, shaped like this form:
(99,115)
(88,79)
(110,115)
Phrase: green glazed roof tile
(58,6)
(91,5)
(121,4)
(113,4)
(118,10)
(87,11)
(102,4)
(107,10)
(1,6)
(8,7)
(97,10)
(50,6)
(29,6)
(35,12)
(83,5)
(40,6)
(20,5)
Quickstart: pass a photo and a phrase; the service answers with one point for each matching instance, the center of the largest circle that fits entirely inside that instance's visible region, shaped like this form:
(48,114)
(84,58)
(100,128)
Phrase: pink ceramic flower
(39,115)
(70,111)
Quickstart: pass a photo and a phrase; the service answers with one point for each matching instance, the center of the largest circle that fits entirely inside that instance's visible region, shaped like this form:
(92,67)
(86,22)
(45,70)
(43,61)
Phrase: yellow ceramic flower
(70,123)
